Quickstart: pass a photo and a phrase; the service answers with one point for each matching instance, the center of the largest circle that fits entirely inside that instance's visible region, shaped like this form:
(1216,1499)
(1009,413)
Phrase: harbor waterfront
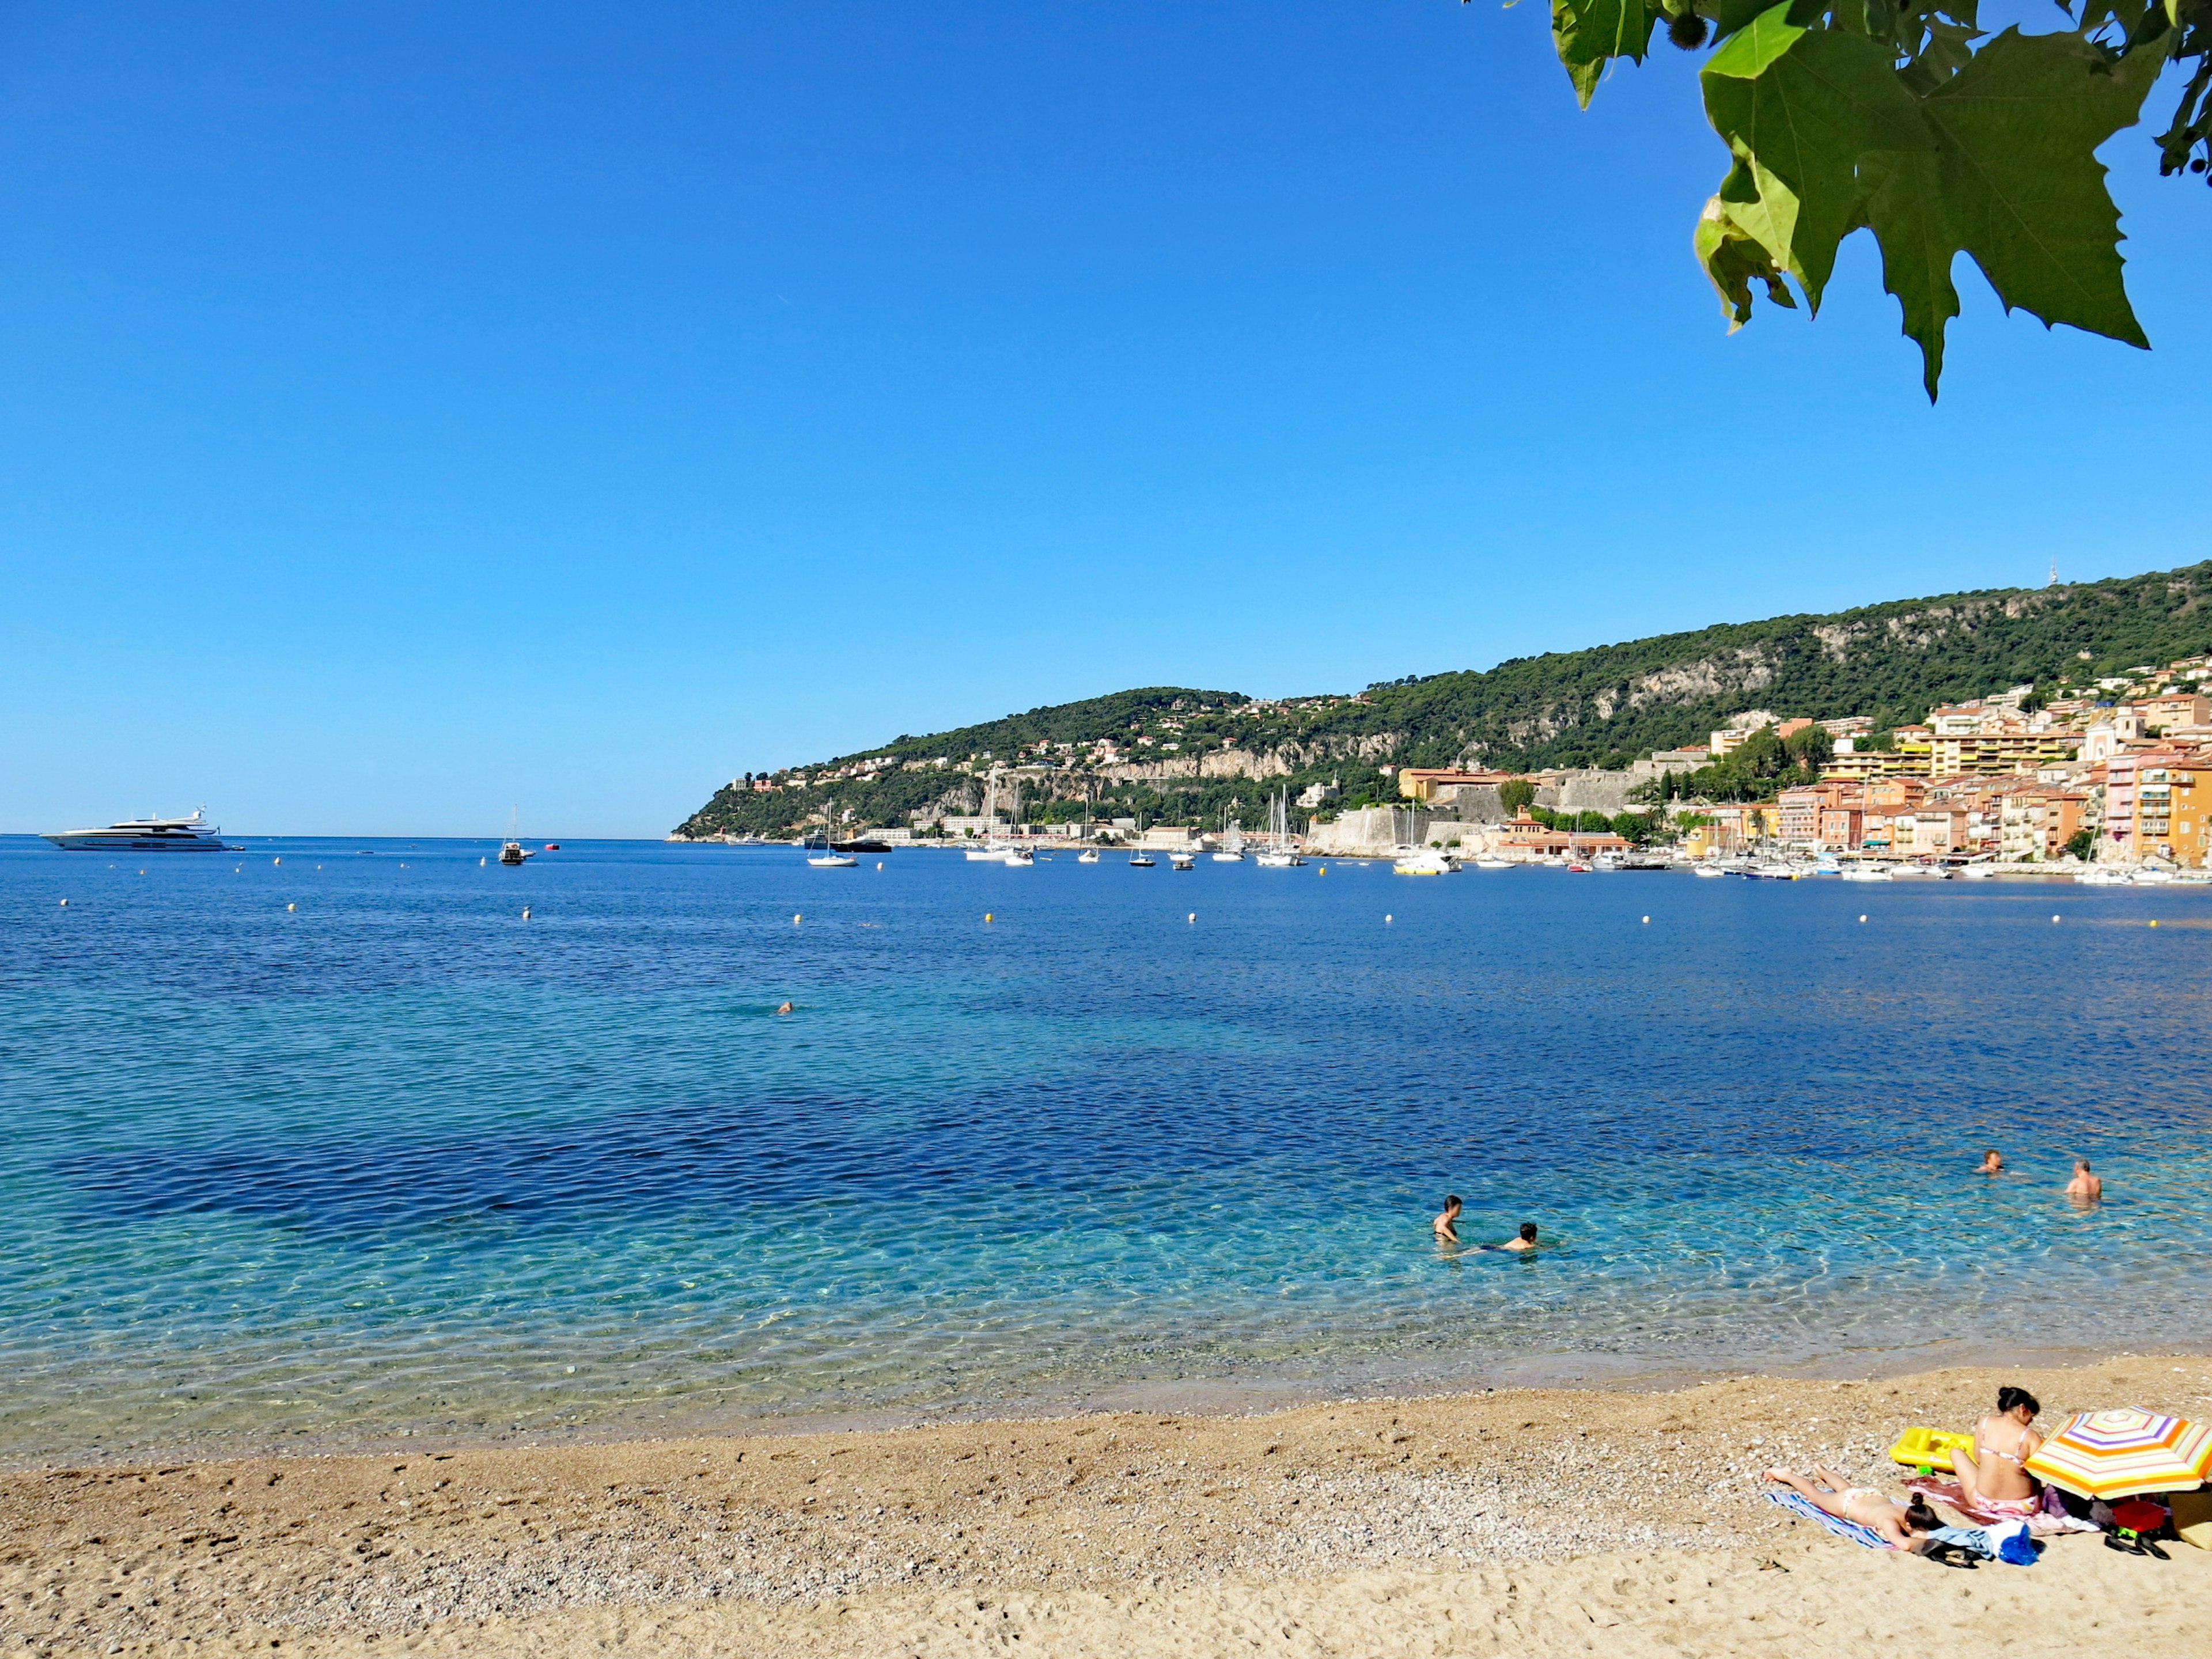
(307,1148)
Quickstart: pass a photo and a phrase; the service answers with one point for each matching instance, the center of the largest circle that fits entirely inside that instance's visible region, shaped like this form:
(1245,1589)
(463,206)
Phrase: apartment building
(2035,825)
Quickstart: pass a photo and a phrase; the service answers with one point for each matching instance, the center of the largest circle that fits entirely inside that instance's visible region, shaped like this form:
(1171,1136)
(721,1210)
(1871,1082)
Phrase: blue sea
(322,1144)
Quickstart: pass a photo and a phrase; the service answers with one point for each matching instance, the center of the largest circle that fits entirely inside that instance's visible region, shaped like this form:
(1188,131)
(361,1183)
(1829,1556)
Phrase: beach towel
(1797,1503)
(2008,1543)
(2044,1515)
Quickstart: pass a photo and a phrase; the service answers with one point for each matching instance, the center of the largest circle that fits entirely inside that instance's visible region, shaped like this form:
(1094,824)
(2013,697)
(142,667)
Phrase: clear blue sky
(409,410)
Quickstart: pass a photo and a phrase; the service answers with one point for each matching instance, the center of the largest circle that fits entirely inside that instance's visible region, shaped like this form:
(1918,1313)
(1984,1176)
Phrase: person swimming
(1443,1226)
(785,1009)
(2085,1187)
(1525,1241)
(1992,1162)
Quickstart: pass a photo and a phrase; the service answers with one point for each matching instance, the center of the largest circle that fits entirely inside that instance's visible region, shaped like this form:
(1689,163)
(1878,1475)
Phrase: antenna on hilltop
(2054,573)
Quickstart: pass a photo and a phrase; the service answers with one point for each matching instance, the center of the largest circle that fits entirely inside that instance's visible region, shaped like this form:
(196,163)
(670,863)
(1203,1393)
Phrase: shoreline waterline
(1222,1399)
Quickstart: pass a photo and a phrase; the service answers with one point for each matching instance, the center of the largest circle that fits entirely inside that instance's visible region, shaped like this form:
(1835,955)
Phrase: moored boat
(185,834)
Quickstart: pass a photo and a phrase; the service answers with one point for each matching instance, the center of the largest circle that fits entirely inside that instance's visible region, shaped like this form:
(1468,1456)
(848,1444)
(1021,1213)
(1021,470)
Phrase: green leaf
(2024,192)
(1735,260)
(1803,106)
(1905,206)
(1590,33)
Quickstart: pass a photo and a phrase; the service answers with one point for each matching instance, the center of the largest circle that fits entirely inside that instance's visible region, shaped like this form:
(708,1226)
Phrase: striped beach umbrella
(2118,1454)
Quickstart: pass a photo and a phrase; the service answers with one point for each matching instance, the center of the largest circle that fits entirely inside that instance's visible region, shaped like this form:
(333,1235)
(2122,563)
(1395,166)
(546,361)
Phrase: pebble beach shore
(1524,1519)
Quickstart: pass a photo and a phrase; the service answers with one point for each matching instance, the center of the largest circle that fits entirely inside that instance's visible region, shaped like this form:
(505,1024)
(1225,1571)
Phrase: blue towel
(2008,1543)
(1797,1503)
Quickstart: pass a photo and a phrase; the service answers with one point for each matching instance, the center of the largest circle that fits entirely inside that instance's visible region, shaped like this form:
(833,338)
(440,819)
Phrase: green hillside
(1214,751)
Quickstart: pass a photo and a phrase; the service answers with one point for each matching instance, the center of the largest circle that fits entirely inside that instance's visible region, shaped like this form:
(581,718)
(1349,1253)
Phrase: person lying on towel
(1901,1526)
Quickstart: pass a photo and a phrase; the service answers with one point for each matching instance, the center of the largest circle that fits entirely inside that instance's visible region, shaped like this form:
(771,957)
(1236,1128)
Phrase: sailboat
(1280,852)
(1231,850)
(990,851)
(514,852)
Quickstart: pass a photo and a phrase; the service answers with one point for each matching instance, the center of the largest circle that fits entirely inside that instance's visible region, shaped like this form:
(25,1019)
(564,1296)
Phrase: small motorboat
(1142,861)
(1183,860)
(552,846)
(514,853)
(1865,873)
(1713,869)
(1493,864)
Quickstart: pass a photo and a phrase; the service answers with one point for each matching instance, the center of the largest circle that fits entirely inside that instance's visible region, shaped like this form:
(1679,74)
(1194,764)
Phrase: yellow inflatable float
(1929,1451)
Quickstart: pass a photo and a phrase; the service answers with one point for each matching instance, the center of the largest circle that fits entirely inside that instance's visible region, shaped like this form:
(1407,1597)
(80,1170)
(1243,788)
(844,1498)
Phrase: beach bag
(2192,1517)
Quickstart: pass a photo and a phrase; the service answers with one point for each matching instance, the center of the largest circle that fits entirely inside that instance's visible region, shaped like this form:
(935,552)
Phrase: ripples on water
(400,1160)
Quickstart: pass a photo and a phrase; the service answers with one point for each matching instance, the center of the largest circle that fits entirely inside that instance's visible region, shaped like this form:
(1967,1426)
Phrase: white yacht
(834,861)
(1493,864)
(1419,861)
(1017,858)
(188,835)
(1088,855)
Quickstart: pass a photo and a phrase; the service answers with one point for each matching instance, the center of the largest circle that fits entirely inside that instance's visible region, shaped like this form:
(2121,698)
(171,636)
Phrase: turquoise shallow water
(398,1160)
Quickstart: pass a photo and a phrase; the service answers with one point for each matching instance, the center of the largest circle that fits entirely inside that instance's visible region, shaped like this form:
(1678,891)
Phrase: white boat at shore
(185,834)
(1424,861)
(1865,873)
(1493,864)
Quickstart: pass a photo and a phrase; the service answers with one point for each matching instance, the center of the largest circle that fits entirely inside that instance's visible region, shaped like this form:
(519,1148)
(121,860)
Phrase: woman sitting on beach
(1899,1525)
(1995,1472)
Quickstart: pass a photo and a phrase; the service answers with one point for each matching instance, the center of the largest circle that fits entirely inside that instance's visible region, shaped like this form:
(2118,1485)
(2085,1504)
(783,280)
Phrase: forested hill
(1185,754)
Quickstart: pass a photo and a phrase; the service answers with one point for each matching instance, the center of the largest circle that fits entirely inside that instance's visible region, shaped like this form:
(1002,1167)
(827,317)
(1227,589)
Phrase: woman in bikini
(1899,1525)
(1996,1471)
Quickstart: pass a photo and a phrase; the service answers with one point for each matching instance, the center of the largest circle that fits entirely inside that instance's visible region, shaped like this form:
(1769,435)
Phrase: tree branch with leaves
(1913,122)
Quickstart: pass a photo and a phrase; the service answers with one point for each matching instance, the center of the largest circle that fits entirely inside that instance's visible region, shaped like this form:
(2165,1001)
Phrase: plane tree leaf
(1590,33)
(1803,106)
(1908,119)
(2017,133)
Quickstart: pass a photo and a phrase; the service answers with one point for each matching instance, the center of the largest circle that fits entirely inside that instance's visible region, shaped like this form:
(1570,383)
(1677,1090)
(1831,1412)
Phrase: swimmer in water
(1442,1226)
(2085,1188)
(1992,1162)
(1527,1241)
(785,1009)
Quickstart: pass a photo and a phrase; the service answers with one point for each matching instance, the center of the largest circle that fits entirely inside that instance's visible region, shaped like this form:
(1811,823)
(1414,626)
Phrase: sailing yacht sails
(1280,852)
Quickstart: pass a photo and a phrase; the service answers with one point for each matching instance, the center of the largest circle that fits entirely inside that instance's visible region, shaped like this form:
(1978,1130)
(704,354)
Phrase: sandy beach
(1530,1520)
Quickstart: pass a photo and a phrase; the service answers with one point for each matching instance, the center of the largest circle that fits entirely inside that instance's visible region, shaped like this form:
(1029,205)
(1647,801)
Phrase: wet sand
(1533,1521)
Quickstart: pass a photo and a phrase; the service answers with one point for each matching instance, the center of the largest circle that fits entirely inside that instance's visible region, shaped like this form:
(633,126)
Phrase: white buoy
(480,864)
(291,906)
(1861,918)
(525,912)
(1389,918)
(1647,922)
(275,860)
(1193,916)
(795,922)
(880,864)
(2054,918)
(65,904)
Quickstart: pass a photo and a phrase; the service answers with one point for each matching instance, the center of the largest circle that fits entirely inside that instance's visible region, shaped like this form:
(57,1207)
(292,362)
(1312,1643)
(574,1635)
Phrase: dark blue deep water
(399,1160)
